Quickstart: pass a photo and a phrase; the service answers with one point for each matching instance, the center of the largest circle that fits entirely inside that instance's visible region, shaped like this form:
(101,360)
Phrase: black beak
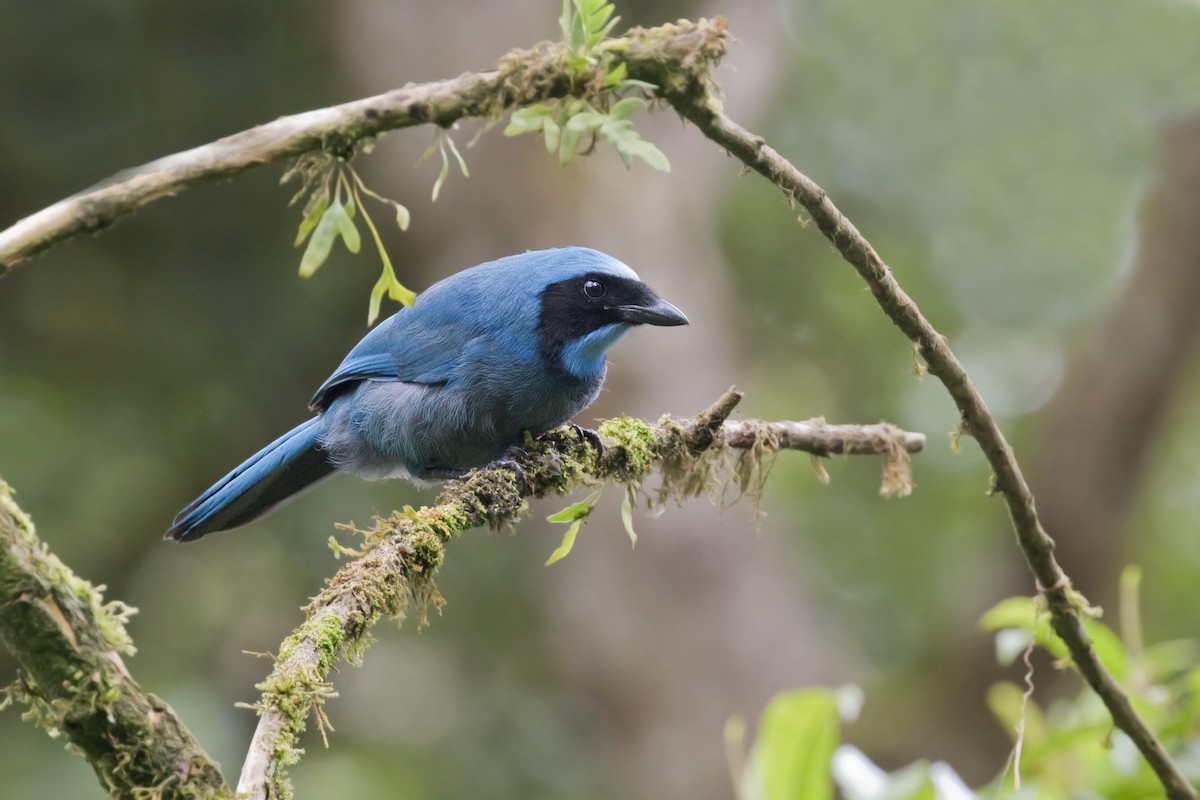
(653,311)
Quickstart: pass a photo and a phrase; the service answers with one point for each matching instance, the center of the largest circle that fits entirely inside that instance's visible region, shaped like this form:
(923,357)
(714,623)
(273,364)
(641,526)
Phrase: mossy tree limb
(68,644)
(678,54)
(404,551)
(701,106)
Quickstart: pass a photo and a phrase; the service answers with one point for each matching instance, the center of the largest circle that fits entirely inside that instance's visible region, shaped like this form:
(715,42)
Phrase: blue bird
(513,345)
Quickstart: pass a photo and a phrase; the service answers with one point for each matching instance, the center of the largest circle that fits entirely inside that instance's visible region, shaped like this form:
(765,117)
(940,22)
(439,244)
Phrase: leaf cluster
(573,125)
(584,25)
(1070,748)
(565,125)
(577,513)
(444,145)
(335,191)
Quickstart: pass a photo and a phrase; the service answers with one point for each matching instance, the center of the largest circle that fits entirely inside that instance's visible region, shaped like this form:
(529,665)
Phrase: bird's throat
(583,358)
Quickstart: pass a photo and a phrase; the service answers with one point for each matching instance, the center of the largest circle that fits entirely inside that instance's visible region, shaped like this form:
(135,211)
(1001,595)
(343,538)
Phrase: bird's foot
(588,435)
(508,461)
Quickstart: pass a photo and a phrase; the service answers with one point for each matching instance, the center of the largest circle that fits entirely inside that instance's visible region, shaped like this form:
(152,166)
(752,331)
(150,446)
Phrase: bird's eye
(593,289)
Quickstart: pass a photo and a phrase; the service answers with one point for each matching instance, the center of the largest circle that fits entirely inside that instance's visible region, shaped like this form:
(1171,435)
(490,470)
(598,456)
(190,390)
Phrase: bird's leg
(440,474)
(507,461)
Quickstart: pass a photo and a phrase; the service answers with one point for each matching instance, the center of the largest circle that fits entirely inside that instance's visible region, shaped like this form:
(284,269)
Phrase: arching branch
(1066,604)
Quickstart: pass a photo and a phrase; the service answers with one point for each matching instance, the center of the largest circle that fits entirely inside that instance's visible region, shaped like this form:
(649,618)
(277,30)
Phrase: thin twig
(822,439)
(408,546)
(697,104)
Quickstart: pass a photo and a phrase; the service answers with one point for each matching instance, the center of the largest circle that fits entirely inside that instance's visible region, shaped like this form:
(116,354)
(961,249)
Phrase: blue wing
(409,347)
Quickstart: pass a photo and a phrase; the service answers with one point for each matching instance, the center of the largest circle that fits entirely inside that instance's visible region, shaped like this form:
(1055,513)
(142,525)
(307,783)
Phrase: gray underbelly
(392,429)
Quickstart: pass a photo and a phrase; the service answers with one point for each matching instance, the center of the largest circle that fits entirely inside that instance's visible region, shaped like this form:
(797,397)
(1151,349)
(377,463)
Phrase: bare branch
(1066,604)
(68,643)
(405,550)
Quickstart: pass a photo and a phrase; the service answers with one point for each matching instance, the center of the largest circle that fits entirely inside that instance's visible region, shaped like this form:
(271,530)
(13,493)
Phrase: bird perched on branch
(452,383)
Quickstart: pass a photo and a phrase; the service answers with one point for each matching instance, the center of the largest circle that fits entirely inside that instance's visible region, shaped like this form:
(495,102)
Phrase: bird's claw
(508,461)
(590,436)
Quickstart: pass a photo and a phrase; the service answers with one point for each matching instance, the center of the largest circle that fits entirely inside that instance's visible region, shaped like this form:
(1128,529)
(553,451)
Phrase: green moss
(325,632)
(442,522)
(57,579)
(342,143)
(560,460)
(489,497)
(630,449)
(296,689)
(427,551)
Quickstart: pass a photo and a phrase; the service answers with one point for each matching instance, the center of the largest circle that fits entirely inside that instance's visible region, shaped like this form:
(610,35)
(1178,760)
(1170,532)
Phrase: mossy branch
(677,56)
(1067,606)
(404,551)
(68,643)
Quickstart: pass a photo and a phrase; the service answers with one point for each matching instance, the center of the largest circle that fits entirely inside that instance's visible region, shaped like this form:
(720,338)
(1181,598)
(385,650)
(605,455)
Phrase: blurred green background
(1030,171)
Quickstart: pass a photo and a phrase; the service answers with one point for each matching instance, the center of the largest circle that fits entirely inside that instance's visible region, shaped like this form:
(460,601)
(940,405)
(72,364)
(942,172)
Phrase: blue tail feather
(286,466)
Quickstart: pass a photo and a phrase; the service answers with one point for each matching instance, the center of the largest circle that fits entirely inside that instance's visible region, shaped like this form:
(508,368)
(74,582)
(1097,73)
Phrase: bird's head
(590,300)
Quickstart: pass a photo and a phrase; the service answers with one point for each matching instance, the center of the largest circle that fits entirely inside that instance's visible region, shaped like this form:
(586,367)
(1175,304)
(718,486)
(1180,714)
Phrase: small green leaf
(568,145)
(585,121)
(623,108)
(634,83)
(576,511)
(1012,612)
(377,293)
(615,75)
(346,227)
(627,516)
(401,293)
(321,242)
(551,132)
(462,165)
(578,33)
(602,33)
(629,145)
(651,155)
(427,152)
(441,178)
(528,120)
(312,215)
(317,196)
(387,283)
(344,185)
(568,541)
(1024,613)
(564,21)
(402,216)
(620,142)
(793,752)
(1109,648)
